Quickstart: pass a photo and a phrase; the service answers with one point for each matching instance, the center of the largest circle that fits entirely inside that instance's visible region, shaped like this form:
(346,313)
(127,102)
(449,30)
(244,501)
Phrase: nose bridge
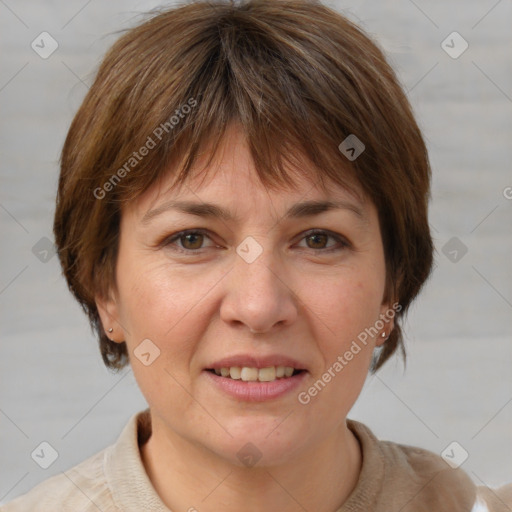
(257,295)
(257,271)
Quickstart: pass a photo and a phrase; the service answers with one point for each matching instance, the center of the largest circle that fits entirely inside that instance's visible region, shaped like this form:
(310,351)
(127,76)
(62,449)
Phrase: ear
(388,311)
(109,316)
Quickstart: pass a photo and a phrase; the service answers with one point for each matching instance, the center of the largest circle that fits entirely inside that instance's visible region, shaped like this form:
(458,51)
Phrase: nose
(259,295)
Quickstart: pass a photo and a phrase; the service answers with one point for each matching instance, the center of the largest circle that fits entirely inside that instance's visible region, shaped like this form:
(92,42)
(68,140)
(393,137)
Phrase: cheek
(147,298)
(343,310)
(162,303)
(344,305)
(157,305)
(341,314)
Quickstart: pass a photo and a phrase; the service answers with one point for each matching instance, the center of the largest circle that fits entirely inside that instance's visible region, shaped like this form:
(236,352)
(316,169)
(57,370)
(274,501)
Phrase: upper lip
(253,361)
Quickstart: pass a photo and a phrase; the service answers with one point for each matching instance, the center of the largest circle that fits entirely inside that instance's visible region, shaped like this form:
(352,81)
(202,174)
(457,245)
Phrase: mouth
(256,378)
(251,384)
(253,374)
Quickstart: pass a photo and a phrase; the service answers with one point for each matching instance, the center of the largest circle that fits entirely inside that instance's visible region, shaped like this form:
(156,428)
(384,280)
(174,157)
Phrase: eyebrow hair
(298,210)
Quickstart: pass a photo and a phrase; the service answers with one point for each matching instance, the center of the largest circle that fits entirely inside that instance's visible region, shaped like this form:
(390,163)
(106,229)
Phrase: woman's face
(188,304)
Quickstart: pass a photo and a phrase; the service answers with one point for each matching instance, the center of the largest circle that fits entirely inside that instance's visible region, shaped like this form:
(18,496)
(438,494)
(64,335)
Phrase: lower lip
(255,391)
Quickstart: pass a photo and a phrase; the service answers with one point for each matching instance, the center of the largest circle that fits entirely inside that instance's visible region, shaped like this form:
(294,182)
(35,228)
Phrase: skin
(198,307)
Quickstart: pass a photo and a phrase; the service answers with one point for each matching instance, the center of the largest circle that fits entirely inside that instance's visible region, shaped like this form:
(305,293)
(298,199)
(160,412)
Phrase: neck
(190,477)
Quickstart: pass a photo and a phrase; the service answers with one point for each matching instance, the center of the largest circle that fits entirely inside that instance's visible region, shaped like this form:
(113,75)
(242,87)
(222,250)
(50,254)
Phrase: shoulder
(83,487)
(433,482)
(80,488)
(494,500)
(449,485)
(108,481)
(412,479)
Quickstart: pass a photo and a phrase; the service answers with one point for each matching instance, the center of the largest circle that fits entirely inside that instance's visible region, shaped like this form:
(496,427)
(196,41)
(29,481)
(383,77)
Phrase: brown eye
(319,240)
(192,241)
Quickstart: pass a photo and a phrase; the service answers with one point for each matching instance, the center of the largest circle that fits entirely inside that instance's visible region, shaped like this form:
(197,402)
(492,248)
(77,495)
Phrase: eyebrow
(210,210)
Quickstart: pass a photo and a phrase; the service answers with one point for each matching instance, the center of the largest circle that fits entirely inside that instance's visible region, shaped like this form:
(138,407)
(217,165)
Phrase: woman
(242,213)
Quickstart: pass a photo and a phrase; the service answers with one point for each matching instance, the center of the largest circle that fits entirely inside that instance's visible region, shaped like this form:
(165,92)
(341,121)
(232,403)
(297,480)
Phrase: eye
(317,240)
(191,240)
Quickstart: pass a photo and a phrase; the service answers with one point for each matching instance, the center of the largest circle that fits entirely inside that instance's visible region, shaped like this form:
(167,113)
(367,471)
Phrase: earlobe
(109,316)
(386,320)
(382,338)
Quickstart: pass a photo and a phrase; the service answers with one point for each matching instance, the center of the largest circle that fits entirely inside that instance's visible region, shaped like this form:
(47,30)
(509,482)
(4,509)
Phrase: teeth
(248,374)
(234,372)
(267,374)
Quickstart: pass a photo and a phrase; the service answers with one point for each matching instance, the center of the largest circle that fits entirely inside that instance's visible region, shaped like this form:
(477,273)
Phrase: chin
(261,441)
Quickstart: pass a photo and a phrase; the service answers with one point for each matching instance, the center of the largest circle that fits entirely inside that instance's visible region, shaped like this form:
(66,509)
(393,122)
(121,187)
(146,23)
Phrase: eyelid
(170,239)
(343,242)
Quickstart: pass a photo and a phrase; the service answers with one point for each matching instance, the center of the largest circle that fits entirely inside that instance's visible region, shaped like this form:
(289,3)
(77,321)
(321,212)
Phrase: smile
(251,384)
(250,374)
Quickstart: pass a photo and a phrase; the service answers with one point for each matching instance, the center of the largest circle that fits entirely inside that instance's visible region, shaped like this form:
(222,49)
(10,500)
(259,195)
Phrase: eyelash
(343,243)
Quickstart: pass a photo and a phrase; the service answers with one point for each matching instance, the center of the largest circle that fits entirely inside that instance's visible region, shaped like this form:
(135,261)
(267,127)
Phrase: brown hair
(297,75)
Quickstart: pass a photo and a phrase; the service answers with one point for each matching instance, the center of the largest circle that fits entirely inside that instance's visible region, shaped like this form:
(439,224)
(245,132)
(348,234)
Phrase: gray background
(458,381)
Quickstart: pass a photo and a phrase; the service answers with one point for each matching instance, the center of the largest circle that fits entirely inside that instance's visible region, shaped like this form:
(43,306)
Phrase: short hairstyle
(299,78)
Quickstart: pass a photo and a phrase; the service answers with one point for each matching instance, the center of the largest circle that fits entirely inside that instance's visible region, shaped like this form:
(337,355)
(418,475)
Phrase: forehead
(231,178)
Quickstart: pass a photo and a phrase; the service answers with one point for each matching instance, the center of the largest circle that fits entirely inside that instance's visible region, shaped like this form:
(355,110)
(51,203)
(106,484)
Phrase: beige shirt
(393,478)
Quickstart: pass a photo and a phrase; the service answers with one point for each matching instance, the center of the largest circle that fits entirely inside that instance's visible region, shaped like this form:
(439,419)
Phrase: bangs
(290,116)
